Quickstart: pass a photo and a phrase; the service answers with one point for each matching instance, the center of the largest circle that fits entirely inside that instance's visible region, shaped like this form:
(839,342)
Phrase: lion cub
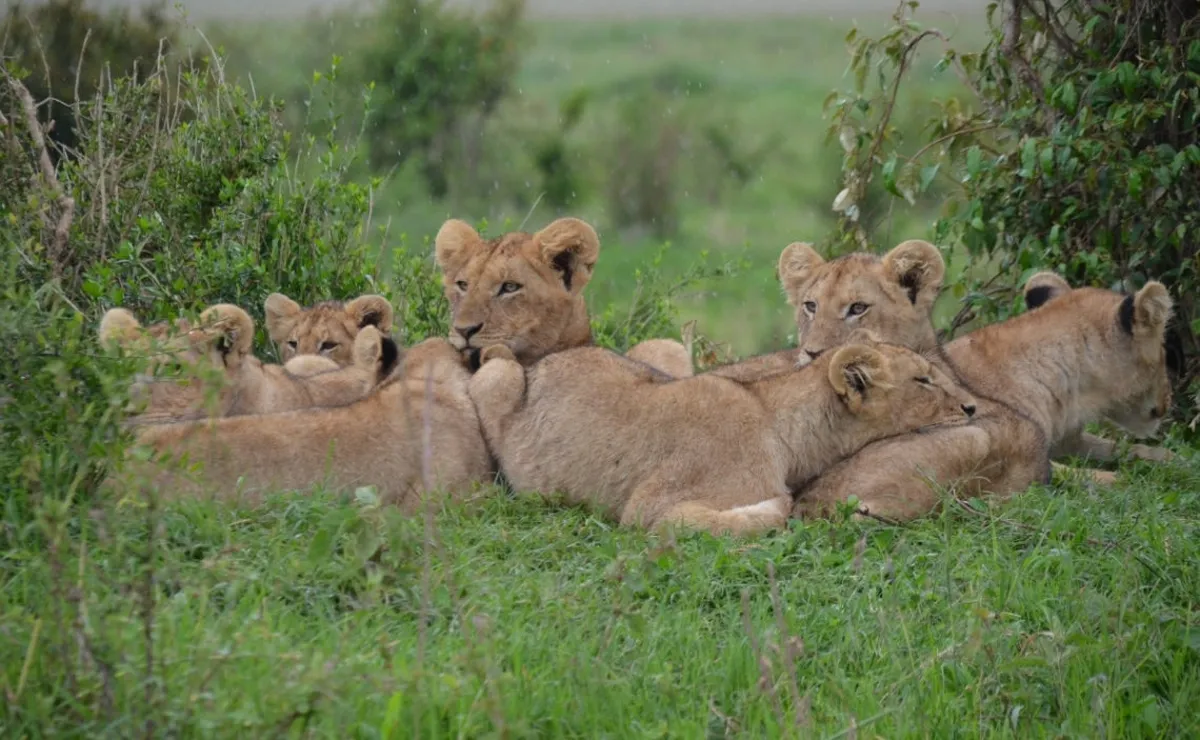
(220,376)
(705,452)
(1083,355)
(326,329)
(414,434)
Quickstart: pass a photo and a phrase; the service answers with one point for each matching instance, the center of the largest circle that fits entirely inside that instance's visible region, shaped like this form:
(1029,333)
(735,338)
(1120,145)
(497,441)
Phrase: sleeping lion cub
(704,452)
(1082,355)
(220,376)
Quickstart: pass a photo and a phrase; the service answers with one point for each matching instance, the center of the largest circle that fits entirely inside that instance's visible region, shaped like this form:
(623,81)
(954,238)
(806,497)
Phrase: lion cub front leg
(1097,448)
(898,478)
(497,389)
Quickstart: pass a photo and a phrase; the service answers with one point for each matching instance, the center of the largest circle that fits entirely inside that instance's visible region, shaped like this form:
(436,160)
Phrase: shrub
(435,70)
(172,201)
(1078,150)
(72,48)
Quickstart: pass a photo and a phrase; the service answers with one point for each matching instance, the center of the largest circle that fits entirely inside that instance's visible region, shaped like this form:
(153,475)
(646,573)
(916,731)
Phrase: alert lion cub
(220,376)
(705,452)
(525,292)
(379,440)
(1086,355)
(326,329)
(892,296)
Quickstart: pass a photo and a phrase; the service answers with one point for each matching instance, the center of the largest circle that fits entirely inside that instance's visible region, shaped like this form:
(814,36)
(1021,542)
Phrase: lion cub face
(1127,365)
(894,386)
(327,329)
(196,359)
(519,290)
(890,296)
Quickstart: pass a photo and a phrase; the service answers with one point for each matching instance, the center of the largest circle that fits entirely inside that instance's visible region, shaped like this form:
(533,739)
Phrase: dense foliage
(1077,150)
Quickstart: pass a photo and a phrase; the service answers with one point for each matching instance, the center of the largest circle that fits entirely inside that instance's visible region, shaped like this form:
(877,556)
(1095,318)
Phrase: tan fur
(1085,444)
(327,329)
(891,296)
(704,452)
(218,376)
(1039,377)
(375,441)
(525,291)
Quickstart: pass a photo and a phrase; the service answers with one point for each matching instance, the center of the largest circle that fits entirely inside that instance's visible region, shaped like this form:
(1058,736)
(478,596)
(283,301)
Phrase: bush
(1078,152)
(71,49)
(201,205)
(435,71)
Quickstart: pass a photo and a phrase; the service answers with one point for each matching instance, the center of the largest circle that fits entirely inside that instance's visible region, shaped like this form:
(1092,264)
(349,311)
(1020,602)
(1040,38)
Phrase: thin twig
(531,209)
(66,204)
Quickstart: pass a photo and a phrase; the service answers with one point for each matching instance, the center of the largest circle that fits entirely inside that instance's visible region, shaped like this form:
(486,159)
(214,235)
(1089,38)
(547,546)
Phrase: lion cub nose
(466,332)
(968,409)
(813,353)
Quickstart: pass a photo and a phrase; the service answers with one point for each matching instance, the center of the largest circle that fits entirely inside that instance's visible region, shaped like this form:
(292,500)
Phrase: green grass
(1069,612)
(761,77)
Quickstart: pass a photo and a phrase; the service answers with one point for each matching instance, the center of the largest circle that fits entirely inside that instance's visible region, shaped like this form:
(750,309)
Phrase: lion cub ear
(230,329)
(796,265)
(918,267)
(372,348)
(281,313)
(854,369)
(120,327)
(453,244)
(1042,287)
(1145,315)
(371,310)
(571,247)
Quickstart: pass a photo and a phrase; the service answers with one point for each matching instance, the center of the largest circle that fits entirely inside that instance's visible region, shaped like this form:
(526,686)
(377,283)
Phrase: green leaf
(889,176)
(1135,184)
(320,547)
(974,162)
(1028,158)
(1068,97)
(927,175)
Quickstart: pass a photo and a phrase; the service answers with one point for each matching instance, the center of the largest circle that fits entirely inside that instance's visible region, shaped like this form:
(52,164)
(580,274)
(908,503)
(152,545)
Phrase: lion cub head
(208,369)
(524,291)
(893,386)
(186,366)
(327,329)
(1126,365)
(891,296)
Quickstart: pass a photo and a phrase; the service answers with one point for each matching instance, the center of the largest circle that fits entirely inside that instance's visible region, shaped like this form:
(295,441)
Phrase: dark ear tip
(1038,296)
(390,355)
(1125,315)
(1176,359)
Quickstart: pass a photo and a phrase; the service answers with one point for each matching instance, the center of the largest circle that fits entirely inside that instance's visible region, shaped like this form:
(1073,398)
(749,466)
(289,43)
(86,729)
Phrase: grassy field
(1070,611)
(763,79)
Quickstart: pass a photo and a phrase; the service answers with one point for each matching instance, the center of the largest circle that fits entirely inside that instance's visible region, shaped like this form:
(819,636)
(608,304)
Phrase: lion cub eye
(461,284)
(857,309)
(328,346)
(924,380)
(509,288)
(810,307)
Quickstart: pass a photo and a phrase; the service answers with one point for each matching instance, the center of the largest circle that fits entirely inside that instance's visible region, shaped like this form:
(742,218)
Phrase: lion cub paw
(1153,454)
(496,352)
